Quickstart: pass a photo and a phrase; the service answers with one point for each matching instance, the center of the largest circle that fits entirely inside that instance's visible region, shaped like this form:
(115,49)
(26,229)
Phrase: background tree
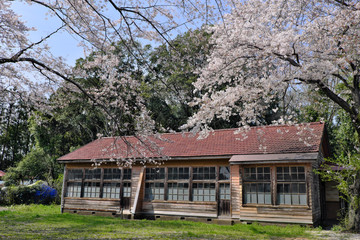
(170,81)
(15,137)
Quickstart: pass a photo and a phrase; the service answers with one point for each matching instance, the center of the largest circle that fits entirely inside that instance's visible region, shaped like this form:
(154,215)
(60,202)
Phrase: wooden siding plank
(138,189)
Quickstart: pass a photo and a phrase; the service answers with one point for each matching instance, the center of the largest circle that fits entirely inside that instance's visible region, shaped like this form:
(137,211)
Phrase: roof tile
(257,140)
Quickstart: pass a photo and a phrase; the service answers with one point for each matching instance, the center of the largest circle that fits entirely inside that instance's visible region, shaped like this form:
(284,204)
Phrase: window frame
(274,182)
(71,181)
(206,175)
(182,193)
(292,181)
(101,181)
(255,180)
(91,172)
(154,178)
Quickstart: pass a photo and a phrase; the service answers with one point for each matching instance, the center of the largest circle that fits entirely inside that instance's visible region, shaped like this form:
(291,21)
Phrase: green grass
(46,222)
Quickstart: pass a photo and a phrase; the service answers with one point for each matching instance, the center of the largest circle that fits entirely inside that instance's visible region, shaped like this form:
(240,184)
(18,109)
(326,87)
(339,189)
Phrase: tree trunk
(353,217)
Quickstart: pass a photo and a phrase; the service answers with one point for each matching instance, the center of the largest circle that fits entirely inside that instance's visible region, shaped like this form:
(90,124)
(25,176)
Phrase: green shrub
(38,192)
(57,184)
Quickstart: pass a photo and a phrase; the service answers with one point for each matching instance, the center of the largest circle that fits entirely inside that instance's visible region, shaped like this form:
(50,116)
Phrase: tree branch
(353,112)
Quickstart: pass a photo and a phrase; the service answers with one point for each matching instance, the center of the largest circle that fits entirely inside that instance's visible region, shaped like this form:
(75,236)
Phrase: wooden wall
(309,214)
(137,189)
(192,209)
(236,190)
(92,204)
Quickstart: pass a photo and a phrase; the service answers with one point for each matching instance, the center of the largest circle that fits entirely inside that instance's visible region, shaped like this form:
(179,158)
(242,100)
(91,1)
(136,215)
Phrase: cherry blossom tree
(32,68)
(262,48)
(36,73)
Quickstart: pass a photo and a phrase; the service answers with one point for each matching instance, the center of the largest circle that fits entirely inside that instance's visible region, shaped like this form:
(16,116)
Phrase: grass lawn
(46,222)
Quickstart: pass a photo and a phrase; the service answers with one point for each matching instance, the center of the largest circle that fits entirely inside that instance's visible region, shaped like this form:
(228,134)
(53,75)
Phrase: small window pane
(127,173)
(303,199)
(112,173)
(204,192)
(154,191)
(204,173)
(75,174)
(111,190)
(93,174)
(295,199)
(73,189)
(302,188)
(92,189)
(155,173)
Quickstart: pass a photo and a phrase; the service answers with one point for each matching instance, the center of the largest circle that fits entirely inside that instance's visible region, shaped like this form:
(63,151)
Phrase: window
(92,189)
(74,182)
(197,184)
(224,189)
(75,174)
(257,185)
(178,183)
(289,188)
(178,191)
(111,190)
(155,184)
(92,183)
(154,191)
(204,192)
(178,173)
(112,174)
(204,173)
(291,185)
(117,185)
(127,174)
(224,173)
(112,183)
(155,173)
(127,189)
(99,183)
(73,189)
(202,189)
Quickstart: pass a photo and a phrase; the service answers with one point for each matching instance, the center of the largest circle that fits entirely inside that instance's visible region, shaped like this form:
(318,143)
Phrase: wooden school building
(264,174)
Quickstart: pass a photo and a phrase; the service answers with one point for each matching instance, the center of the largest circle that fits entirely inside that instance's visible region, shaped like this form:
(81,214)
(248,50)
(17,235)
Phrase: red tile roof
(226,142)
(2,173)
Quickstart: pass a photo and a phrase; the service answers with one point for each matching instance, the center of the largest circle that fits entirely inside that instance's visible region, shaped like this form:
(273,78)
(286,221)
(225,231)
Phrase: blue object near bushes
(45,194)
(38,192)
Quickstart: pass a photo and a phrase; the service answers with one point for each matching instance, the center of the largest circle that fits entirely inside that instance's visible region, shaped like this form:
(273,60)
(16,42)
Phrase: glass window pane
(287,199)
(295,199)
(302,188)
(74,174)
(93,174)
(303,199)
(294,188)
(261,198)
(267,198)
(127,174)
(224,173)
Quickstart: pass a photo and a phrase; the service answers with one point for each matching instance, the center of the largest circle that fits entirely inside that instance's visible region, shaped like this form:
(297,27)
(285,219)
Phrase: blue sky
(62,44)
